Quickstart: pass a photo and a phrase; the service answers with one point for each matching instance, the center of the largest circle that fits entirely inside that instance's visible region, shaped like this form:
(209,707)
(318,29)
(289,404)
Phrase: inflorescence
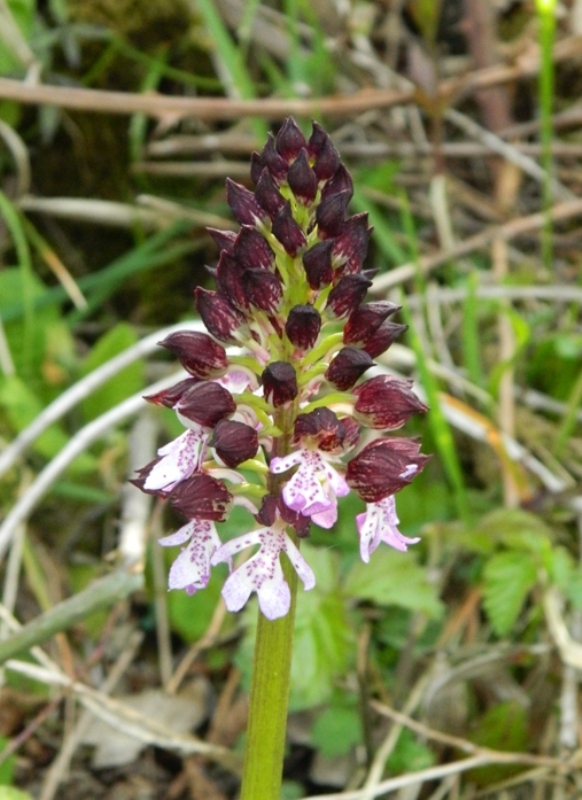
(271,428)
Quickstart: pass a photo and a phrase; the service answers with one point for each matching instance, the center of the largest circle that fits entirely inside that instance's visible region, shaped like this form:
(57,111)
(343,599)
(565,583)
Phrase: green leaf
(190,615)
(22,12)
(36,337)
(503,727)
(127,382)
(517,529)
(409,755)
(574,588)
(336,730)
(22,406)
(7,766)
(11,793)
(394,579)
(508,577)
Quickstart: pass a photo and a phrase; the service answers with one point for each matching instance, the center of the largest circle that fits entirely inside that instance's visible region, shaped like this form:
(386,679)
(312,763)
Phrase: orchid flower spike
(290,291)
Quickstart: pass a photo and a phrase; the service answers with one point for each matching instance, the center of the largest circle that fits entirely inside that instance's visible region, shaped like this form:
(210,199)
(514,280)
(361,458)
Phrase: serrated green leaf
(560,566)
(508,579)
(394,579)
(517,529)
(127,382)
(336,730)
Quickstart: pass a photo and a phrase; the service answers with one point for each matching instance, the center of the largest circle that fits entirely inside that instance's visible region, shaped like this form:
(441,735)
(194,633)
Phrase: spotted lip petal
(191,570)
(262,573)
(313,490)
(379,524)
(181,458)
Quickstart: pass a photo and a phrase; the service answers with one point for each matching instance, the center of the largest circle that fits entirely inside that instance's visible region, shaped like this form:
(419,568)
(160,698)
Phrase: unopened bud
(279,383)
(303,326)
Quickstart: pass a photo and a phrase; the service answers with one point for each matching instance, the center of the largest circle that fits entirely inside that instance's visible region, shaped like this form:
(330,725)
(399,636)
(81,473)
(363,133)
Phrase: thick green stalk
(265,746)
(263,767)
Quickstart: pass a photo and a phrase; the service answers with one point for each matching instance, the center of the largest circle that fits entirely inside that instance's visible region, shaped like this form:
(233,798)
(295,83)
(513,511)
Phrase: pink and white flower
(379,524)
(263,573)
(181,458)
(313,490)
(191,570)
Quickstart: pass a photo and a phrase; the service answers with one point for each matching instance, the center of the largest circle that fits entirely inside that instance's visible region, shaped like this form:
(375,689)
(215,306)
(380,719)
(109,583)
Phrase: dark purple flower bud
(279,383)
(200,355)
(320,428)
(202,497)
(252,250)
(273,161)
(318,140)
(302,179)
(384,467)
(224,239)
(366,319)
(327,158)
(340,183)
(234,442)
(347,366)
(206,403)
(219,317)
(386,402)
(380,340)
(287,231)
(347,294)
(317,263)
(263,289)
(290,140)
(331,214)
(169,397)
(352,436)
(244,204)
(303,326)
(351,246)
(267,194)
(229,277)
(257,167)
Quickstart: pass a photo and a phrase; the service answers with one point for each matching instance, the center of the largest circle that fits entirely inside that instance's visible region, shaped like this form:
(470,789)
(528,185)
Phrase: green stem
(265,746)
(263,766)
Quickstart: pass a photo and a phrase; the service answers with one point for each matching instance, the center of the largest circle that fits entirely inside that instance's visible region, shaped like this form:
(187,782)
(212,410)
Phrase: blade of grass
(231,56)
(437,421)
(13,220)
(152,253)
(547,18)
(471,337)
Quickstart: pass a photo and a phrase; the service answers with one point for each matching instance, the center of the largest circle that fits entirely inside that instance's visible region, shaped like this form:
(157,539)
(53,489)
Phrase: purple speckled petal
(191,570)
(312,489)
(283,463)
(179,537)
(325,519)
(302,568)
(180,459)
(262,573)
(234,546)
(379,524)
